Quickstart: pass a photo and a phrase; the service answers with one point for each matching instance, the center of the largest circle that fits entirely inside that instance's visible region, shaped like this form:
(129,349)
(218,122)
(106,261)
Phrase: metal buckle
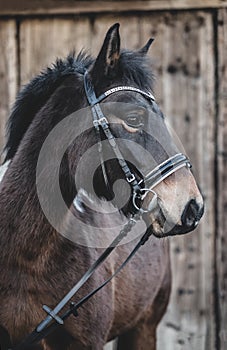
(131,178)
(103,120)
(100,121)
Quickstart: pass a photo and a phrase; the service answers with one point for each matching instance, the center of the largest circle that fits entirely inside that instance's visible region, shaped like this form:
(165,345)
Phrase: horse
(39,264)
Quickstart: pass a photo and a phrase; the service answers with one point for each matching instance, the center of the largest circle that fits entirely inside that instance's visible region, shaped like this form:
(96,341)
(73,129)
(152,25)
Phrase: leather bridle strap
(47,325)
(165,169)
(93,100)
(100,121)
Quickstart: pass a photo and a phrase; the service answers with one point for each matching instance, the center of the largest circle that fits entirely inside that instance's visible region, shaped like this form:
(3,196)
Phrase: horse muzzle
(174,206)
(162,225)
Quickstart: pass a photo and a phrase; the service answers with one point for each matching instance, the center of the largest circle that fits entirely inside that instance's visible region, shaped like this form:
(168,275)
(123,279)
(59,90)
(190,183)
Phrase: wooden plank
(8,72)
(37,49)
(60,7)
(184,62)
(129,31)
(222,180)
(42,41)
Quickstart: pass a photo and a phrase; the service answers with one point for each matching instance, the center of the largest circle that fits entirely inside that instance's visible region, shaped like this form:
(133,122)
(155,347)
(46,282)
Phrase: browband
(93,100)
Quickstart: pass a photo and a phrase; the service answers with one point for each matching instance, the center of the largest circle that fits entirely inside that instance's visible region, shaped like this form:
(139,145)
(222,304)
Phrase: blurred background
(189,61)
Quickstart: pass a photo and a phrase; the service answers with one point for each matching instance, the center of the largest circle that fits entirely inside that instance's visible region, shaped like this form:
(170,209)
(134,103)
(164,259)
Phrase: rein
(155,176)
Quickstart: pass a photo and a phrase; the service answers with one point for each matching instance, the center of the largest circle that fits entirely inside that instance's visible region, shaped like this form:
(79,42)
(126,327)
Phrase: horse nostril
(192,213)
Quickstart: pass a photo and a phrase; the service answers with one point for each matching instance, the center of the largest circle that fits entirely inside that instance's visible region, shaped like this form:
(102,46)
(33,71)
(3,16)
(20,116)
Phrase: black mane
(134,68)
(35,94)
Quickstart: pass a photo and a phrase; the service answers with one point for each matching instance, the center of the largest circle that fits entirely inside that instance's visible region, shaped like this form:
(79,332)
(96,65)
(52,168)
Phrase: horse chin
(162,231)
(161,227)
(177,230)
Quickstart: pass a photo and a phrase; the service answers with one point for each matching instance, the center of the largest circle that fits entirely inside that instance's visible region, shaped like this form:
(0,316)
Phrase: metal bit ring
(152,204)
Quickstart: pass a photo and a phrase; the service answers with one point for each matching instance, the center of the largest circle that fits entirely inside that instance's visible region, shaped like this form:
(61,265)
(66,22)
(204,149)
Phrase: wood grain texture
(129,31)
(59,7)
(8,72)
(42,41)
(221,257)
(184,61)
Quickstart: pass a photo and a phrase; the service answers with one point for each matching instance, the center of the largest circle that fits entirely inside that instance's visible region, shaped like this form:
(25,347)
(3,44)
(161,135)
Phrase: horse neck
(27,239)
(24,227)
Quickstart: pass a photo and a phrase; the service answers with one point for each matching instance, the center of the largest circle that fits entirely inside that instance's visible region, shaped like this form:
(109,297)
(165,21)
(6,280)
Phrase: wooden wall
(189,60)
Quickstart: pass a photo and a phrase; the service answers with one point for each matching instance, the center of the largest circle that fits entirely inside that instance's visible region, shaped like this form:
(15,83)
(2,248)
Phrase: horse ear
(110,52)
(144,50)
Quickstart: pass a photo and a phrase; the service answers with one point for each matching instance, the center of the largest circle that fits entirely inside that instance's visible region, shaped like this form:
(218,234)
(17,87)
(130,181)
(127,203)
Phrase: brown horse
(38,264)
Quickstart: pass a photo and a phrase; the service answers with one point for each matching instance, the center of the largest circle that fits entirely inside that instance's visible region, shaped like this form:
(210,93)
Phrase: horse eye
(134,120)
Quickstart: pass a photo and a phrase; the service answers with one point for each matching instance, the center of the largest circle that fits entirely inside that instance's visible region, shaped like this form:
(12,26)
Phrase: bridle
(152,178)
(139,191)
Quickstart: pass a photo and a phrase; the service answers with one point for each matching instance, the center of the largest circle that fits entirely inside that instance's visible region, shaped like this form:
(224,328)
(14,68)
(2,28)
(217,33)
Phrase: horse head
(144,140)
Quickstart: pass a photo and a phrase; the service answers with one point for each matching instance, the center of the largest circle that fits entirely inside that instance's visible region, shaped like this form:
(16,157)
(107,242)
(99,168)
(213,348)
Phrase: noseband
(100,122)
